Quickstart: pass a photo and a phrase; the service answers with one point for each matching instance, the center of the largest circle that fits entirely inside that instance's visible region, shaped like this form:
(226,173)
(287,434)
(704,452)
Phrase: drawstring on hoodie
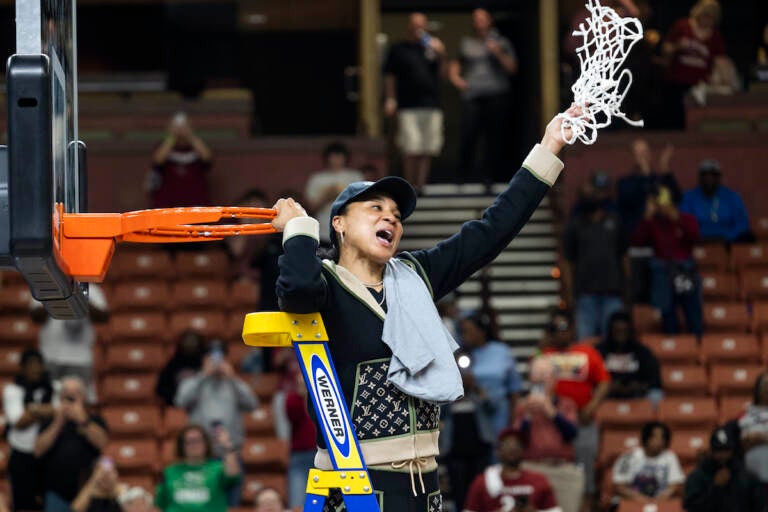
(419,462)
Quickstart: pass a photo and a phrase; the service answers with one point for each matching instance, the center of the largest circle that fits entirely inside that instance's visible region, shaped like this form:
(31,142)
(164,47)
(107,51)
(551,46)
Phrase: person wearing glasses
(580,375)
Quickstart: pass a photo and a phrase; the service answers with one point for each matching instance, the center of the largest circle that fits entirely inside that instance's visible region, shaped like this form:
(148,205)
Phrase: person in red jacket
(302,441)
(674,279)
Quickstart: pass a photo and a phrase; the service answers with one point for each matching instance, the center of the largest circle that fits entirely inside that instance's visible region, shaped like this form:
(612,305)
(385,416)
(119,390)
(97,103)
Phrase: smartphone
(665,197)
(538,389)
(217,355)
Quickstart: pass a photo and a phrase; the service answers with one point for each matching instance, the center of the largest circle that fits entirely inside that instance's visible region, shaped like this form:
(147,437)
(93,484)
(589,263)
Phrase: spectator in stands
(602,193)
(185,362)
(549,423)
(136,499)
(581,376)
(68,445)
(269,500)
(198,482)
(180,166)
(26,403)
(633,190)
(633,367)
(448,309)
(67,345)
(481,73)
(719,210)
(323,186)
(753,430)
(216,398)
(651,471)
(596,264)
(694,48)
(303,445)
(674,278)
(100,492)
(509,486)
(412,90)
(720,483)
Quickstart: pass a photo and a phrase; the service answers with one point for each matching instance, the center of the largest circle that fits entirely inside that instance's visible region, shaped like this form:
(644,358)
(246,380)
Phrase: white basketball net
(607,40)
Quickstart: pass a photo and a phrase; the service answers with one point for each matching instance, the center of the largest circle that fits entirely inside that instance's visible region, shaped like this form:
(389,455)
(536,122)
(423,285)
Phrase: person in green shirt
(198,482)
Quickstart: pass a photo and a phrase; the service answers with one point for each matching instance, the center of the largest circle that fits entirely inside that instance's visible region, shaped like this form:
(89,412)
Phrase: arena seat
(730,316)
(134,455)
(132,421)
(732,407)
(711,257)
(688,445)
(730,347)
(686,413)
(124,389)
(15,298)
(174,419)
(208,324)
(140,295)
(615,442)
(9,360)
(625,414)
(734,379)
(141,263)
(212,263)
(760,228)
(673,348)
(136,325)
(265,385)
(653,506)
(265,453)
(646,318)
(759,317)
(205,294)
(145,482)
(254,482)
(18,329)
(719,286)
(260,422)
(750,255)
(684,379)
(135,357)
(243,295)
(754,284)
(168,452)
(5,454)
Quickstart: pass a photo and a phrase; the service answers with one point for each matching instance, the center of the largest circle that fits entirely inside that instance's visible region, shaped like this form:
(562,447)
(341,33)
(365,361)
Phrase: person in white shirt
(651,471)
(27,401)
(67,345)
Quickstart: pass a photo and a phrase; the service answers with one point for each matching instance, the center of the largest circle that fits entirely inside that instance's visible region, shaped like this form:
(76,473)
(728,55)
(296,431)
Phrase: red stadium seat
(145,482)
(254,482)
(199,294)
(711,257)
(265,453)
(753,255)
(726,316)
(123,389)
(686,380)
(144,263)
(682,413)
(654,506)
(142,357)
(732,407)
(760,228)
(143,326)
(207,263)
(168,451)
(15,297)
(208,324)
(689,445)
(18,330)
(134,455)
(629,414)
(719,286)
(132,421)
(754,284)
(734,379)
(237,351)
(673,348)
(174,419)
(615,442)
(726,347)
(5,453)
(244,295)
(646,318)
(260,422)
(265,385)
(140,295)
(9,360)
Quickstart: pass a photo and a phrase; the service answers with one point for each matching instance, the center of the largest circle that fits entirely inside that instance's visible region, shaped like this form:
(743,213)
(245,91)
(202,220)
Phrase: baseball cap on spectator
(721,440)
(710,166)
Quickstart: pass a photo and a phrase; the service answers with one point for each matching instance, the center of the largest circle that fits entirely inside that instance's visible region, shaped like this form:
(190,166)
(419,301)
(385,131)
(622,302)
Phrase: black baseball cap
(721,440)
(397,188)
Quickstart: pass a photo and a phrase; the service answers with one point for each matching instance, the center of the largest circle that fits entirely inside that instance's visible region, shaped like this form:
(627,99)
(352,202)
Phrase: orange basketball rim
(87,241)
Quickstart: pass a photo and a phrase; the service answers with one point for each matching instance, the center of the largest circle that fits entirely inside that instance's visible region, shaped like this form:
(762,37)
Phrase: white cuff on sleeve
(306,226)
(543,164)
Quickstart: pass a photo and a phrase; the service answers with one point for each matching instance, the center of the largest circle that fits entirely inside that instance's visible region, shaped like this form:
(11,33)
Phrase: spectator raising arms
(719,210)
(68,445)
(185,362)
(198,482)
(633,367)
(26,403)
(753,428)
(651,471)
(100,492)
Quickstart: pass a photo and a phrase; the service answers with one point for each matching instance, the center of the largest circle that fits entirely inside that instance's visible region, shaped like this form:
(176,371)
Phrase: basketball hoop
(87,240)
(607,39)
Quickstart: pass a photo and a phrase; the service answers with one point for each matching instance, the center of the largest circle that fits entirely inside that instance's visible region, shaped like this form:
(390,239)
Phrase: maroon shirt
(183,180)
(534,487)
(302,428)
(671,240)
(692,63)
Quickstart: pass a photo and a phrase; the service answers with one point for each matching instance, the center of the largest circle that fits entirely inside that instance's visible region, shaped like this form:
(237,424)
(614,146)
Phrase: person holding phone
(100,492)
(507,486)
(68,445)
(215,398)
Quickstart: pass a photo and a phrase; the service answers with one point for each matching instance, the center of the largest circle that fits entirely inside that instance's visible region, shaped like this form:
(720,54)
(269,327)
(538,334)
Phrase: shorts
(420,131)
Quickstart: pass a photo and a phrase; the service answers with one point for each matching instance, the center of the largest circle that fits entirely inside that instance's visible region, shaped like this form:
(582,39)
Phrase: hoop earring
(341,238)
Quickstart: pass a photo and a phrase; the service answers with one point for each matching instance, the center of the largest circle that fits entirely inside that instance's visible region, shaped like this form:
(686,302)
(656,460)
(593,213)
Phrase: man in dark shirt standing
(68,445)
(411,86)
